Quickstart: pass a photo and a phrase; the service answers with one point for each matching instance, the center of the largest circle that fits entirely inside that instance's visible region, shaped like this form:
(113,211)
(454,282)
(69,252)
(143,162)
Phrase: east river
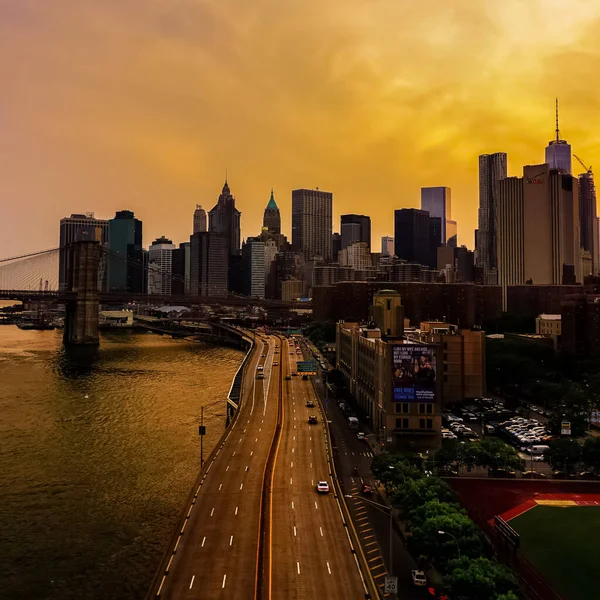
(97,456)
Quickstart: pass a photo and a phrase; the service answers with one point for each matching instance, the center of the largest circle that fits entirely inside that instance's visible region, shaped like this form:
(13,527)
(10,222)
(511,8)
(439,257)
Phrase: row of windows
(426,424)
(424,408)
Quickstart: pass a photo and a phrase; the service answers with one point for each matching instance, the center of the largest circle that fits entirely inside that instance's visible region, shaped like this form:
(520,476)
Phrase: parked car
(360,435)
(533,475)
(419,578)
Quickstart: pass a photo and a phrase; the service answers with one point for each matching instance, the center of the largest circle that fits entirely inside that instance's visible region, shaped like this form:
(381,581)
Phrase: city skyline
(125,121)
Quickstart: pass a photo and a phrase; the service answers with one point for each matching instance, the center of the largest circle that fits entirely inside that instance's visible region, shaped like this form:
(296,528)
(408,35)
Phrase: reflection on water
(97,456)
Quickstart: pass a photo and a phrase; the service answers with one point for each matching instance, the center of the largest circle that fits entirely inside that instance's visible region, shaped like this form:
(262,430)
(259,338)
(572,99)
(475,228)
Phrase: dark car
(312,420)
(502,473)
(310,404)
(367,490)
(288,376)
(304,377)
(533,475)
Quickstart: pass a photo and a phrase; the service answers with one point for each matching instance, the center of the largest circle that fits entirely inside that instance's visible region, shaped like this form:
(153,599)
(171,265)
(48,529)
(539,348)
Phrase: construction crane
(588,169)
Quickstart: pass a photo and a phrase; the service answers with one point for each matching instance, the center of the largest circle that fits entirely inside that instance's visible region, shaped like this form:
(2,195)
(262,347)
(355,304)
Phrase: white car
(322,487)
(419,578)
(360,435)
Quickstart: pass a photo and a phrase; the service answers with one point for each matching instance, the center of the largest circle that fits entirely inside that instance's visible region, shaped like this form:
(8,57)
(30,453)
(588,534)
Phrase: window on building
(402,423)
(445,367)
(445,378)
(445,345)
(405,408)
(422,423)
(430,409)
(389,305)
(398,408)
(429,423)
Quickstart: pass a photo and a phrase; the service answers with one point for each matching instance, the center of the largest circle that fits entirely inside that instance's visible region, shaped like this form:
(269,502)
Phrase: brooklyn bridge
(34,277)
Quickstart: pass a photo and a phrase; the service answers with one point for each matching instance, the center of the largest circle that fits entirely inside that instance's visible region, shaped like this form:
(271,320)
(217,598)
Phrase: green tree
(393,470)
(462,537)
(414,493)
(508,596)
(475,579)
(431,509)
(590,454)
(495,454)
(564,454)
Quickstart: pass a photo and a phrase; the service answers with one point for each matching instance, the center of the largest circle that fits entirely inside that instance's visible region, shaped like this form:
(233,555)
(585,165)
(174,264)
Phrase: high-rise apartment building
(356,256)
(492,169)
(437,201)
(355,228)
(124,261)
(387,246)
(225,219)
(558,152)
(209,255)
(336,246)
(74,229)
(160,266)
(253,259)
(200,220)
(311,223)
(272,217)
(416,235)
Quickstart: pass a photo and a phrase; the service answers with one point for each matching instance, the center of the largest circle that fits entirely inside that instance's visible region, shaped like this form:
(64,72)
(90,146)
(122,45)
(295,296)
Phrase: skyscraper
(387,246)
(74,229)
(208,264)
(311,223)
(416,235)
(125,265)
(350,233)
(437,201)
(587,219)
(200,221)
(224,218)
(362,234)
(253,258)
(492,168)
(272,217)
(160,266)
(336,246)
(558,152)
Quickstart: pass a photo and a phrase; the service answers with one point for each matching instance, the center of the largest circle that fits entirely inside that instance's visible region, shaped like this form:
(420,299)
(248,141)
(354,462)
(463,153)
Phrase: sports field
(563,544)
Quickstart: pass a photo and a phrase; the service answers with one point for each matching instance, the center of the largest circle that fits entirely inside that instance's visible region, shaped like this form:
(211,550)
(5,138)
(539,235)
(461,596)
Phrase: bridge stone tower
(83,304)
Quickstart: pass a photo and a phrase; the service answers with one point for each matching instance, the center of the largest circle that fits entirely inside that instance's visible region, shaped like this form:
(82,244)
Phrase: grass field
(563,544)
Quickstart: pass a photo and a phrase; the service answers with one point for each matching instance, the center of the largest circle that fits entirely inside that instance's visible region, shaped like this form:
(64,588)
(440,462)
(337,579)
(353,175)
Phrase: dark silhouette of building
(311,223)
(200,219)
(416,235)
(588,222)
(580,325)
(224,219)
(209,261)
(336,246)
(272,217)
(178,271)
(125,265)
(351,234)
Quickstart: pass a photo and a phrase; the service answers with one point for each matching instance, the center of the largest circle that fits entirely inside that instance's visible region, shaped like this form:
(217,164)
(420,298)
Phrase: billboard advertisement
(414,373)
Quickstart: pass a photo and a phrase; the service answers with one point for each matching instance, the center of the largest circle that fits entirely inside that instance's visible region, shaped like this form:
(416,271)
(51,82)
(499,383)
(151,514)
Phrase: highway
(216,556)
(311,554)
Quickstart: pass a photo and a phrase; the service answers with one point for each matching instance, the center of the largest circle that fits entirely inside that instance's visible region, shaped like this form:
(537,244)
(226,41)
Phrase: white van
(353,422)
(542,449)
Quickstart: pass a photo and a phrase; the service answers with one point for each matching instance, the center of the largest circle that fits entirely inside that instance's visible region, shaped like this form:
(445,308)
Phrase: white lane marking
(231,541)
(203,540)
(292,464)
(251,452)
(316,505)
(241,485)
(256,440)
(290,481)
(294,530)
(212,512)
(236,509)
(321,530)
(312,482)
(192,581)
(244,430)
(298,567)
(227,469)
(260,429)
(240,441)
(310,438)
(310,450)
(294,438)
(329,568)
(224,580)
(233,453)
(292,451)
(220,486)
(292,506)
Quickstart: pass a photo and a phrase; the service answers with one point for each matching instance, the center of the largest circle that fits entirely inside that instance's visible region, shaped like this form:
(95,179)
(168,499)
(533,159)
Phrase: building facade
(364,229)
(416,235)
(356,256)
(74,229)
(492,169)
(387,246)
(200,220)
(224,219)
(312,223)
(124,262)
(437,201)
(588,217)
(272,217)
(253,258)
(160,266)
(209,256)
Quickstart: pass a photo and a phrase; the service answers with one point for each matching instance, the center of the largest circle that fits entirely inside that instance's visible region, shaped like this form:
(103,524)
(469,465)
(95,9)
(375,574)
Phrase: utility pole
(202,432)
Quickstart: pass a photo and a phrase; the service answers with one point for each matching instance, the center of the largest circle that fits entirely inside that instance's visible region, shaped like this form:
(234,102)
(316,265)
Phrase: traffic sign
(391,585)
(565,428)
(307,367)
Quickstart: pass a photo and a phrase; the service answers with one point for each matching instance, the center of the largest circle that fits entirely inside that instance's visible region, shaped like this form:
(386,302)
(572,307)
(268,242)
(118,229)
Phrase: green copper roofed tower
(272,218)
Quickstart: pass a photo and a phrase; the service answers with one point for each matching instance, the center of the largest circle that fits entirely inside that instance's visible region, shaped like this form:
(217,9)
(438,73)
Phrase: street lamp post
(389,510)
(453,537)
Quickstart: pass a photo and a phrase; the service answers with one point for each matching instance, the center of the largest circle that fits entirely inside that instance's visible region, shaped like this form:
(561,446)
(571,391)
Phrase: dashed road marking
(203,540)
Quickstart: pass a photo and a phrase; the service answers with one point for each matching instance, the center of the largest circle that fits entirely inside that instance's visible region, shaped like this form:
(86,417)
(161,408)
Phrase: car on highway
(322,487)
(260,376)
(305,377)
(419,578)
(288,377)
(294,374)
(360,435)
(262,355)
(312,420)
(310,404)
(275,364)
(260,368)
(367,490)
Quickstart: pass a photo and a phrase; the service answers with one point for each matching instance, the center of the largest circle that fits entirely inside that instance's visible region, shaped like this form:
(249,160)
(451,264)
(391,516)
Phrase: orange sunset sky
(143,104)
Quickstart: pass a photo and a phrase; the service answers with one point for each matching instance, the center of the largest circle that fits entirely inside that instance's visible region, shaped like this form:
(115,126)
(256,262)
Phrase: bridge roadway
(311,554)
(216,555)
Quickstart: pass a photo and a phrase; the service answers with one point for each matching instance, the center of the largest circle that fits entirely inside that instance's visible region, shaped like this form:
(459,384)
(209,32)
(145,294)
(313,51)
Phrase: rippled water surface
(97,456)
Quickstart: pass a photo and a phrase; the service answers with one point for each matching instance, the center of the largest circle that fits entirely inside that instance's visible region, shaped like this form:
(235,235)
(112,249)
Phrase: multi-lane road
(308,552)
